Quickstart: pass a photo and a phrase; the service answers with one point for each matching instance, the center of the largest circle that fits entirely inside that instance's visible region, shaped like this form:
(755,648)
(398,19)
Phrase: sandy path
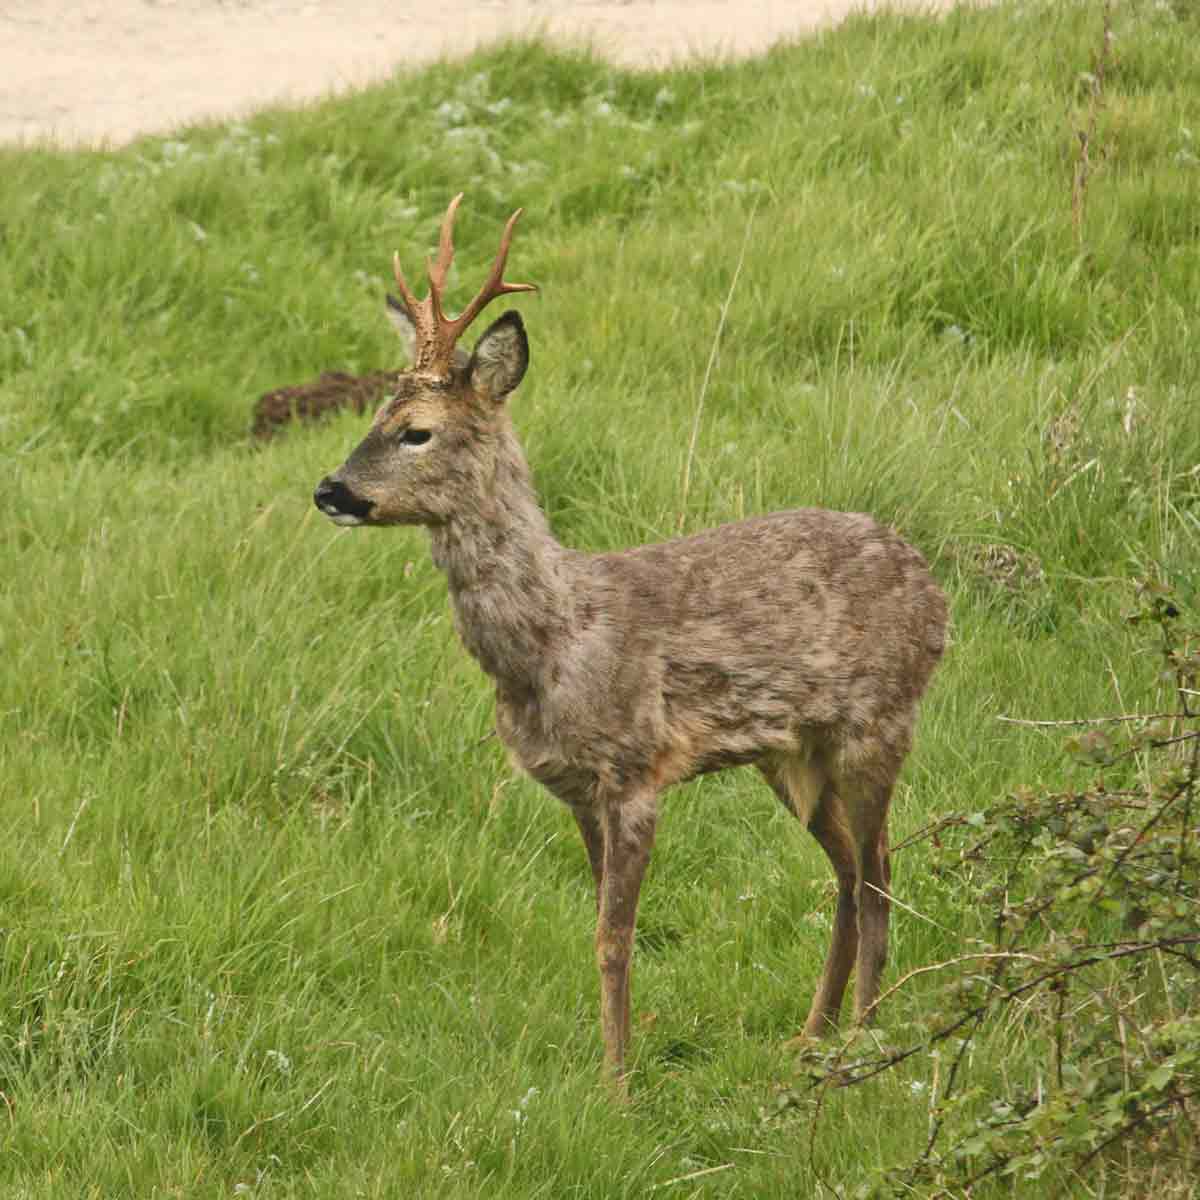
(88,71)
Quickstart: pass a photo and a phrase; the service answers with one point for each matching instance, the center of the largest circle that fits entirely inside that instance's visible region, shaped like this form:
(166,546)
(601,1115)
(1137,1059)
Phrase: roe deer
(798,642)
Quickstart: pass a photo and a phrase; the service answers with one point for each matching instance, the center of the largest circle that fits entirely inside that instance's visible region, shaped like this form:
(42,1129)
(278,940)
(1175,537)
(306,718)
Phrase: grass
(276,917)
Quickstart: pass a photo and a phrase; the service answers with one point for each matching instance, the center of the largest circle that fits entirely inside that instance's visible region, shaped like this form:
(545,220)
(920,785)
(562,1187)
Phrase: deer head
(428,447)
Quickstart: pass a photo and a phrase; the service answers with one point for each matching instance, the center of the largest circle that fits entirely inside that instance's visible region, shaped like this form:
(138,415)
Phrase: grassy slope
(273,913)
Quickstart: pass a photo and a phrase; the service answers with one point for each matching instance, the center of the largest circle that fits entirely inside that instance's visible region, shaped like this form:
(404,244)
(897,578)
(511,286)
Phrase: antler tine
(439,270)
(494,285)
(409,299)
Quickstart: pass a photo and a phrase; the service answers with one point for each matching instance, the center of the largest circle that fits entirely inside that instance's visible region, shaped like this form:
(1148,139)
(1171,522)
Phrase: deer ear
(500,358)
(402,324)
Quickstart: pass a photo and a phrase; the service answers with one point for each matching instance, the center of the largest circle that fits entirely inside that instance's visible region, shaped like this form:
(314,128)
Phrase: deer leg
(803,785)
(828,826)
(874,911)
(866,807)
(628,839)
(592,832)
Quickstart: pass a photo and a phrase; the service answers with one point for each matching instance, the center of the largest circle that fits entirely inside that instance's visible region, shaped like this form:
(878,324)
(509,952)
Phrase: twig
(1185,818)
(1088,720)
(1059,1009)
(930,830)
(1183,737)
(869,1069)
(1153,820)
(941,966)
(906,907)
(1139,1119)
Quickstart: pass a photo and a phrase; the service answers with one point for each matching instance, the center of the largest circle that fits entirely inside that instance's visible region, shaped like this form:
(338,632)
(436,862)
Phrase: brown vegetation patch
(312,401)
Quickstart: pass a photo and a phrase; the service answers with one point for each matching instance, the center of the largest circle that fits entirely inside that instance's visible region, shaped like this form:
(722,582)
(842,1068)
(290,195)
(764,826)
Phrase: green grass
(276,917)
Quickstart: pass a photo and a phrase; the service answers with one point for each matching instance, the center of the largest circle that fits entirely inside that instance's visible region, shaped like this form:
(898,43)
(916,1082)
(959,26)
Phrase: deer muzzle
(339,503)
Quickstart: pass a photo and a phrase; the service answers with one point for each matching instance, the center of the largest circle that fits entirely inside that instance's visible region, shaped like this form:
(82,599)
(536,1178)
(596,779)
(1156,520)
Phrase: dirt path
(88,71)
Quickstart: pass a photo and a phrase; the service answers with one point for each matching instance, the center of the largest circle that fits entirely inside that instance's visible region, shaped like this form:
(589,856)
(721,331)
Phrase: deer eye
(415,437)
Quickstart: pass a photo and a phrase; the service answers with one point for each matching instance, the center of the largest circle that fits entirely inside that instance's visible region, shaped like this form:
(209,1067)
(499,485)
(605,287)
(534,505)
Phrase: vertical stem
(1061,988)
(712,358)
(1083,165)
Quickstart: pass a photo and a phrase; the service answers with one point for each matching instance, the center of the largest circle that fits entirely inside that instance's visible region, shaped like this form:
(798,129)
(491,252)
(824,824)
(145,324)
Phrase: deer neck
(509,578)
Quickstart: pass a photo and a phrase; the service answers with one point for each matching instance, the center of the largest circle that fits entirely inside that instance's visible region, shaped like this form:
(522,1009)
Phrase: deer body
(799,642)
(775,635)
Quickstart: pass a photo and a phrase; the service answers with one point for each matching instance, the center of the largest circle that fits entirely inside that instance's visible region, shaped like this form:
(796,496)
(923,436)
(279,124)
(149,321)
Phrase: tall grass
(276,917)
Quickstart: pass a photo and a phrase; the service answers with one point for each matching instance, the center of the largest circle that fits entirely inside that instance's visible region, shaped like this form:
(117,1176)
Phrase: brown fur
(798,642)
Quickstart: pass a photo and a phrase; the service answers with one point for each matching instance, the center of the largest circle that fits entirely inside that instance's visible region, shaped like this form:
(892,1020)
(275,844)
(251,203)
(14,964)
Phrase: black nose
(334,498)
(323,496)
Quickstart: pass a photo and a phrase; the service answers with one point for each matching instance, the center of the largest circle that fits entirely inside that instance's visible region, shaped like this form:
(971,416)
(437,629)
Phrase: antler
(437,334)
